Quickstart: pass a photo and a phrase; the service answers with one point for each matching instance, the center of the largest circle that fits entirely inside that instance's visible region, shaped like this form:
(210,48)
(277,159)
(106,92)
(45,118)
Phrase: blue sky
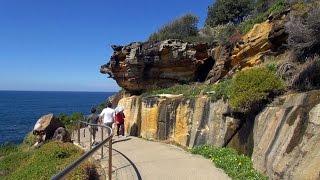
(59,45)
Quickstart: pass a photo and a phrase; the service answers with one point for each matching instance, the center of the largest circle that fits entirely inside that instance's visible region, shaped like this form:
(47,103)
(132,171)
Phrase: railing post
(101,140)
(79,133)
(90,134)
(110,159)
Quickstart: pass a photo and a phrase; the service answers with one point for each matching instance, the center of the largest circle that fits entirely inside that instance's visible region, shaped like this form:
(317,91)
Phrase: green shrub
(253,86)
(235,165)
(225,11)
(70,120)
(277,7)
(219,91)
(41,163)
(183,28)
(219,34)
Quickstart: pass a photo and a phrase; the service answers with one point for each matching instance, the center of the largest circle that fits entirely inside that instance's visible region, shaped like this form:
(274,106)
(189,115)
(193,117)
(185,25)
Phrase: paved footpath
(135,158)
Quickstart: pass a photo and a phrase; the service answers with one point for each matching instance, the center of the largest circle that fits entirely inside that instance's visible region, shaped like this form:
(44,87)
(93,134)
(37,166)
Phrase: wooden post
(110,159)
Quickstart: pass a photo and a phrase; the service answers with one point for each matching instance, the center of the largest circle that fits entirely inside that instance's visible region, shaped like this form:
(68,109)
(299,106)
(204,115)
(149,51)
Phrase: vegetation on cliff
(235,165)
(225,11)
(245,90)
(183,28)
(25,162)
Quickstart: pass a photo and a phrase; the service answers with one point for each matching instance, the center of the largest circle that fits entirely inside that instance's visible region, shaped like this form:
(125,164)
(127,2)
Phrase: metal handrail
(86,155)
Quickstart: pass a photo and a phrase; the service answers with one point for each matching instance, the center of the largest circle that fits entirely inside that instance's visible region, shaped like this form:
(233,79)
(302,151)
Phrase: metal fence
(62,174)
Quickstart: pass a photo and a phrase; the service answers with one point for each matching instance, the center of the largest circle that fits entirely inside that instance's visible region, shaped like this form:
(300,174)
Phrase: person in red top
(119,119)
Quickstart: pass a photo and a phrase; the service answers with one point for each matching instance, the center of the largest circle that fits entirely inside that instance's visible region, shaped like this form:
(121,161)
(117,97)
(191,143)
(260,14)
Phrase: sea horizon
(19,110)
(58,91)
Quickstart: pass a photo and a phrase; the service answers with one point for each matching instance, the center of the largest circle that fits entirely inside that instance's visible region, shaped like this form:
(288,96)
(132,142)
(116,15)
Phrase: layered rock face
(287,138)
(261,40)
(141,66)
(188,122)
(283,139)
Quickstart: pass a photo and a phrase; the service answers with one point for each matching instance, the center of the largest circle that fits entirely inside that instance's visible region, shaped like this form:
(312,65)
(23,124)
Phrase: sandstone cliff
(283,139)
(141,66)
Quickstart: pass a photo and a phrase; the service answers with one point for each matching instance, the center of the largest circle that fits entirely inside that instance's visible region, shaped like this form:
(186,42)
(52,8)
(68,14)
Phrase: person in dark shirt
(93,118)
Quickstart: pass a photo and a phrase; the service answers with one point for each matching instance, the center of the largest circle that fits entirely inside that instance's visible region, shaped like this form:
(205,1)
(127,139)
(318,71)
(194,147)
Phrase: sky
(59,45)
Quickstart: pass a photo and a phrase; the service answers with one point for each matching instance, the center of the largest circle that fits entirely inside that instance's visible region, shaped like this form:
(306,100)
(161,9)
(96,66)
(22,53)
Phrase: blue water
(19,110)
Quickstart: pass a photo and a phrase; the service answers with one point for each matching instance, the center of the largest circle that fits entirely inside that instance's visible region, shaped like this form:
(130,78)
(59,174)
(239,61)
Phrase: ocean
(19,110)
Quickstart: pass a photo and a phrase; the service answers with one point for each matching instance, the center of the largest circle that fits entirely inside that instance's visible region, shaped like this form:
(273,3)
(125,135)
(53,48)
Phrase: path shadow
(131,164)
(121,140)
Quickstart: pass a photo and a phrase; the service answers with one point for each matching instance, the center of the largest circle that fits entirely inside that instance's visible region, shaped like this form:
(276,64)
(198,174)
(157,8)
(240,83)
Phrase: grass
(189,91)
(237,166)
(19,162)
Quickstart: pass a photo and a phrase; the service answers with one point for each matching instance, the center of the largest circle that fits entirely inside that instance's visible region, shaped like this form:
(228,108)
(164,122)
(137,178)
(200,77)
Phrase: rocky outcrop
(221,55)
(287,138)
(140,66)
(188,122)
(261,40)
(46,127)
(62,135)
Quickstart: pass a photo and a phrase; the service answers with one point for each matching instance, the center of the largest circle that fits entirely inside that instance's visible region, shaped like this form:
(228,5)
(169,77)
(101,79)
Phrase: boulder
(140,66)
(62,135)
(45,127)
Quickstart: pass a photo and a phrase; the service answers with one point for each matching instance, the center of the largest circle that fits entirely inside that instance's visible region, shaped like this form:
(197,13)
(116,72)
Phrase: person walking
(107,115)
(93,119)
(119,120)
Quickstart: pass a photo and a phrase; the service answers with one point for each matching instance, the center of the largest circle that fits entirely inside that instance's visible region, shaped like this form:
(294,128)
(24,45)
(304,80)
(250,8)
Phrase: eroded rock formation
(141,66)
(287,139)
(45,129)
(283,138)
(188,122)
(261,40)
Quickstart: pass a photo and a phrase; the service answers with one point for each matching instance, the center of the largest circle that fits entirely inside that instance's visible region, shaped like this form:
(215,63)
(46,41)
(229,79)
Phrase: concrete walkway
(135,159)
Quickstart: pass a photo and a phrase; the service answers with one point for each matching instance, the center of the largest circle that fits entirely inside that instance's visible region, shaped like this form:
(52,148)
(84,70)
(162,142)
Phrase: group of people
(113,118)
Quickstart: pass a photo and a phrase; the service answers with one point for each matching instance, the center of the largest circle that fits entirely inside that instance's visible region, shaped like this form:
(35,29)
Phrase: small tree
(224,11)
(181,28)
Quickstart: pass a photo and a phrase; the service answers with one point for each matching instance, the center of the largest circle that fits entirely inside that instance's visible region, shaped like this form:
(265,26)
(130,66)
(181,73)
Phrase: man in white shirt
(108,115)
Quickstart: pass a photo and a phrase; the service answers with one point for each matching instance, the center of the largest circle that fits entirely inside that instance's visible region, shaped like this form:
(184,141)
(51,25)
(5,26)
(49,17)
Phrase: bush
(219,91)
(235,165)
(308,75)
(42,163)
(252,86)
(225,11)
(219,34)
(183,28)
(304,34)
(277,7)
(69,120)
